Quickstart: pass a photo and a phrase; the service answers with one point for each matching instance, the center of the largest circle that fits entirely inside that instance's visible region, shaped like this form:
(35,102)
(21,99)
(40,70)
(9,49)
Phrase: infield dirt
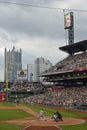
(35,124)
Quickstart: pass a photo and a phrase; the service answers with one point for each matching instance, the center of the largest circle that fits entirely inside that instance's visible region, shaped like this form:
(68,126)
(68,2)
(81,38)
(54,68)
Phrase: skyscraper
(39,66)
(14,63)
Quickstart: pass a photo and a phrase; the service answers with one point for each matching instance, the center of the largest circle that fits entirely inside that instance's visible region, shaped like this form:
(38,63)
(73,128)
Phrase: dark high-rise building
(14,61)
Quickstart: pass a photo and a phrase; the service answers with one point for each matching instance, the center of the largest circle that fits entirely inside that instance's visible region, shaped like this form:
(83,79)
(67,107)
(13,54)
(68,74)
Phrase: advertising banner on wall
(2,96)
(22,75)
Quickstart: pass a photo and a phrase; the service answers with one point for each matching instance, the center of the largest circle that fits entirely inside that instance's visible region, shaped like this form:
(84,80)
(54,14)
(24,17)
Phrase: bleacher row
(77,61)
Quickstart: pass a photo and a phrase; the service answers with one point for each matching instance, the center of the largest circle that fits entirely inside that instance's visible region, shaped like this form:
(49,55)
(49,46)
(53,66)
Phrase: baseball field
(25,117)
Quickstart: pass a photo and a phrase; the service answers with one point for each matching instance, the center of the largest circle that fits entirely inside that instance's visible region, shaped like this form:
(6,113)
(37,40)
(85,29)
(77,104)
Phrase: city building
(13,62)
(31,72)
(39,66)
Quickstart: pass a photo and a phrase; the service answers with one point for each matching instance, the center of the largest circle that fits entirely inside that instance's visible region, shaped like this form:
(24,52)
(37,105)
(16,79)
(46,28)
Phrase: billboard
(22,75)
(68,20)
(2,97)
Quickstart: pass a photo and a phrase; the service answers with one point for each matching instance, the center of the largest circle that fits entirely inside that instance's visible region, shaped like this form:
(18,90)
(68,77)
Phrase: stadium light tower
(69,24)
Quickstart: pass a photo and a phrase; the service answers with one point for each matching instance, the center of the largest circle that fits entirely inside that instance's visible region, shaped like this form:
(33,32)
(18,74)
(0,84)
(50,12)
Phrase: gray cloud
(39,31)
(38,22)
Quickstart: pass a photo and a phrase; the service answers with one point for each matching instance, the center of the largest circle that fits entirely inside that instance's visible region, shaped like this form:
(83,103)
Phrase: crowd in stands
(78,61)
(27,86)
(64,97)
(22,86)
(1,86)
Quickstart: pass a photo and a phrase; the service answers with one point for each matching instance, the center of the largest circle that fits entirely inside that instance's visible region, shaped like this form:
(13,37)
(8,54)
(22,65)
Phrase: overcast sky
(39,32)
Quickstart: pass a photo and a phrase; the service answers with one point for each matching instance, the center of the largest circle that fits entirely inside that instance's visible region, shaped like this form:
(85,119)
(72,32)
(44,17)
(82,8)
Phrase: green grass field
(9,114)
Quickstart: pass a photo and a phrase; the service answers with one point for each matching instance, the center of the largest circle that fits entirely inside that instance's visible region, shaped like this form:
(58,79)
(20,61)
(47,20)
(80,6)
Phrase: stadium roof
(75,47)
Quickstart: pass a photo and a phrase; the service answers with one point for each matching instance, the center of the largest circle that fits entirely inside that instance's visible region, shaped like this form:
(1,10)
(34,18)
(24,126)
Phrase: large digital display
(68,20)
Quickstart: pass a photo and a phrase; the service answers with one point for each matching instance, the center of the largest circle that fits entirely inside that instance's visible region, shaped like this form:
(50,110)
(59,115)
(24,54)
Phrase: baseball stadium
(32,105)
(67,93)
